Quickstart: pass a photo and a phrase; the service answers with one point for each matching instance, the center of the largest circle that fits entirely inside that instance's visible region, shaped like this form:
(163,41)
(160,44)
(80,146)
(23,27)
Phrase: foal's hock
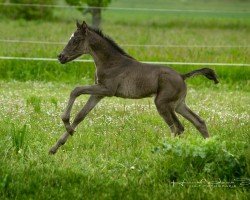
(120,75)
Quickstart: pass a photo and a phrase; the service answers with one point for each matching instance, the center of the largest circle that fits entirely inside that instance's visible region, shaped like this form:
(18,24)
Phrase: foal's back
(140,80)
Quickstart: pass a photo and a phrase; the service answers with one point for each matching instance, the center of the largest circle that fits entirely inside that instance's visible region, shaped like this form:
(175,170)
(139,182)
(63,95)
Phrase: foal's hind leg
(199,123)
(166,110)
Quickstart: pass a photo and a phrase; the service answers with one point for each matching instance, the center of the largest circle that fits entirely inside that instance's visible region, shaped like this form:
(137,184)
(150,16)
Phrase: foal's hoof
(178,134)
(52,151)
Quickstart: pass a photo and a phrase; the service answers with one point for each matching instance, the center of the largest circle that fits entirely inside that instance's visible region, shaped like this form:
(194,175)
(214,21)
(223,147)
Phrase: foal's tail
(209,73)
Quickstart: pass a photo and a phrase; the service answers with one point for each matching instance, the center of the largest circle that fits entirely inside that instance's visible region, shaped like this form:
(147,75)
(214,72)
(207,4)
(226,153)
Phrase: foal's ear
(81,26)
(78,25)
(84,25)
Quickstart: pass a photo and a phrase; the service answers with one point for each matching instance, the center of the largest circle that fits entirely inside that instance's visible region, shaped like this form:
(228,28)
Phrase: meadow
(123,149)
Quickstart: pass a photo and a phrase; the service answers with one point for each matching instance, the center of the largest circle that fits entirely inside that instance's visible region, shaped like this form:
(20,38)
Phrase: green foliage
(96,13)
(94,3)
(4,182)
(54,101)
(35,102)
(18,138)
(210,158)
(28,12)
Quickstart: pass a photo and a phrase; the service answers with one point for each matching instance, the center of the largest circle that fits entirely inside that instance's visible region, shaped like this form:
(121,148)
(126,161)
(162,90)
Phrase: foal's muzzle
(62,58)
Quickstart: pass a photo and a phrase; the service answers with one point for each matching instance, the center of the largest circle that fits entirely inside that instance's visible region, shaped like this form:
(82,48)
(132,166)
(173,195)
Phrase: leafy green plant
(35,102)
(18,138)
(207,157)
(28,12)
(54,101)
(5,180)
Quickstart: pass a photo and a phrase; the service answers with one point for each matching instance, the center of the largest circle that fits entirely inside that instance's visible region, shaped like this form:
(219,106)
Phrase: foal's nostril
(59,56)
(62,58)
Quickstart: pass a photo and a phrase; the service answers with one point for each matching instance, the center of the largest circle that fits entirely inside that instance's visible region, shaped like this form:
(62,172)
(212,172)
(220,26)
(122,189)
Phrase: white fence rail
(152,62)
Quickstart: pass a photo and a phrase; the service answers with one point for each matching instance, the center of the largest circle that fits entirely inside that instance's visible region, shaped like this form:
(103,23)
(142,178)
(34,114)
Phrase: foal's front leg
(93,89)
(91,103)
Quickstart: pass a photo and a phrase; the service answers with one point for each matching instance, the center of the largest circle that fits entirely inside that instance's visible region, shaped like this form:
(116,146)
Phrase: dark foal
(118,74)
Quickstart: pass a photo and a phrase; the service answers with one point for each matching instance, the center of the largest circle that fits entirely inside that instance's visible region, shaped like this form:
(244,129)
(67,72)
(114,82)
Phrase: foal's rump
(171,85)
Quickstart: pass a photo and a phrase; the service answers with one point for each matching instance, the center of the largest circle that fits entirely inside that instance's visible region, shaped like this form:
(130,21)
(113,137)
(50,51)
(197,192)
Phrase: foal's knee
(75,92)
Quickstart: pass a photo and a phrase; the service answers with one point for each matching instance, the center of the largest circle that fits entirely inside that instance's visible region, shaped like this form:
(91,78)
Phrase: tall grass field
(124,149)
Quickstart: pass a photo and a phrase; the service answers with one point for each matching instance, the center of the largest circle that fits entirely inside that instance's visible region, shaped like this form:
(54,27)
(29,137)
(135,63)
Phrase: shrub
(210,158)
(27,12)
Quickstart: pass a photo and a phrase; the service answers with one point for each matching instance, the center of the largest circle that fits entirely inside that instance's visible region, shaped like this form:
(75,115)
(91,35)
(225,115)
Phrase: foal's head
(77,44)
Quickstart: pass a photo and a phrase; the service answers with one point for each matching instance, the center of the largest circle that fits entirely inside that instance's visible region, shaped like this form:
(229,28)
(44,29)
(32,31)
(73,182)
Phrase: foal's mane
(110,41)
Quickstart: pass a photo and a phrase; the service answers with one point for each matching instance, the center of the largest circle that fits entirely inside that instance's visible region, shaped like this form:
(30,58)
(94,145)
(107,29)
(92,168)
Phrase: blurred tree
(27,12)
(95,8)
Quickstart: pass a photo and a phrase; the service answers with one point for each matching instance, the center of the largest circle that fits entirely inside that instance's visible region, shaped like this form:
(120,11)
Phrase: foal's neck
(104,54)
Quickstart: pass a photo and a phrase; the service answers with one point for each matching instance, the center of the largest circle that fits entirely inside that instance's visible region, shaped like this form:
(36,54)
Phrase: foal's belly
(136,88)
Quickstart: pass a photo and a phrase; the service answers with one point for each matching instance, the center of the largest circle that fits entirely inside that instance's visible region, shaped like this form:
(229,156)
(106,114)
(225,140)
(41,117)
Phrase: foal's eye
(75,41)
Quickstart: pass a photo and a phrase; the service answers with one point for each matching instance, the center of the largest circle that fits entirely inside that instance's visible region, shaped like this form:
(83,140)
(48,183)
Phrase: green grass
(123,149)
